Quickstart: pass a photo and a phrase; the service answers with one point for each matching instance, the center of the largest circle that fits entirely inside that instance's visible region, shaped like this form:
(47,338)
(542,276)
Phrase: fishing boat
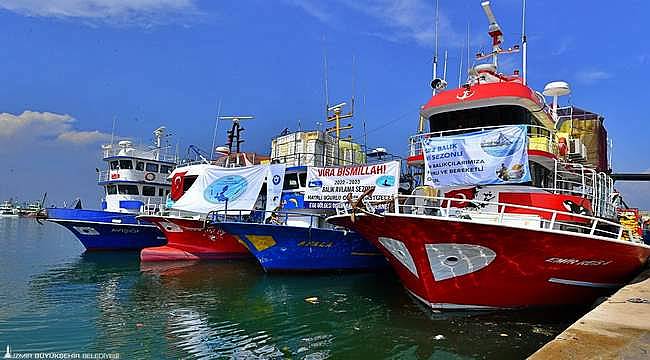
(308,172)
(534,225)
(189,235)
(135,180)
(8,209)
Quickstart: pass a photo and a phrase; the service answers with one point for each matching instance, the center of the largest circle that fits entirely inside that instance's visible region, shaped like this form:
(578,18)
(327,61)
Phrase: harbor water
(56,298)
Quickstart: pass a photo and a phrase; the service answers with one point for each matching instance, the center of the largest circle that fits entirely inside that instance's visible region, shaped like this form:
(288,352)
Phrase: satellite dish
(438,84)
(556,88)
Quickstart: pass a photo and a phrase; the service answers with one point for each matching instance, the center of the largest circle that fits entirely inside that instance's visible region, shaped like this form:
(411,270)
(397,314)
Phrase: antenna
(113,130)
(523,42)
(234,134)
(460,67)
(467,40)
(495,32)
(435,54)
(444,68)
(326,90)
(214,133)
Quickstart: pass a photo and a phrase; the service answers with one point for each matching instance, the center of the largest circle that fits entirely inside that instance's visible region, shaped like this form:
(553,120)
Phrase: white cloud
(131,12)
(35,125)
(593,76)
(83,137)
(404,19)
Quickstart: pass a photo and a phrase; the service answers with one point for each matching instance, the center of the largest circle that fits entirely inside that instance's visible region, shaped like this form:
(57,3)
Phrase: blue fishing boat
(136,180)
(286,229)
(297,238)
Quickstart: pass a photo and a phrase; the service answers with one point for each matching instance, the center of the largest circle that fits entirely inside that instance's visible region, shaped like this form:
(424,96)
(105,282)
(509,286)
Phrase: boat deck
(619,328)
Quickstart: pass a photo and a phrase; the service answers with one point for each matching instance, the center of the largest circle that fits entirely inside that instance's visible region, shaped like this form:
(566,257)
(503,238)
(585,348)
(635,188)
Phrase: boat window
(139,166)
(303,179)
(166,192)
(290,182)
(152,167)
(111,189)
(126,164)
(128,189)
(149,190)
(115,165)
(479,117)
(188,181)
(161,192)
(165,169)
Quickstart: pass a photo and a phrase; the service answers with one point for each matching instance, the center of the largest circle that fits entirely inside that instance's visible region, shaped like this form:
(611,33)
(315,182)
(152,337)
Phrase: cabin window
(165,169)
(111,189)
(161,192)
(480,117)
(128,189)
(303,179)
(290,182)
(152,167)
(126,164)
(115,165)
(139,166)
(149,190)
(166,192)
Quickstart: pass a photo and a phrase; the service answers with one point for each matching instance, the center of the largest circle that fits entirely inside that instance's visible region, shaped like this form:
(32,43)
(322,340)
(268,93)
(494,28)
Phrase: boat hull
(190,239)
(292,248)
(104,230)
(450,263)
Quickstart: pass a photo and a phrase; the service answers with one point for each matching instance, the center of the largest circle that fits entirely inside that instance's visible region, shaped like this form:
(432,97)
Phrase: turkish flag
(464,194)
(178,180)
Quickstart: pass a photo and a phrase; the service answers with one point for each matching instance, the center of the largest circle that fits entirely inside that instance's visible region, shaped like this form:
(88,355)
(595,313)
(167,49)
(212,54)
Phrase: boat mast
(435,54)
(523,42)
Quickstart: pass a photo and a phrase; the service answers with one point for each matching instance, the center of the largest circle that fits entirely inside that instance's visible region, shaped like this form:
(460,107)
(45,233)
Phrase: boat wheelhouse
(136,176)
(477,233)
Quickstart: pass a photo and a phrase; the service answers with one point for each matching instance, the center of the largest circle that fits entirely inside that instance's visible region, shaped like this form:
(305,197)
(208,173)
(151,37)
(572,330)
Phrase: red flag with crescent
(178,180)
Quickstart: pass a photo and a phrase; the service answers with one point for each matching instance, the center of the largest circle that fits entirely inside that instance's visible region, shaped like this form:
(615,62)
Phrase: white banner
(498,156)
(331,185)
(217,188)
(274,183)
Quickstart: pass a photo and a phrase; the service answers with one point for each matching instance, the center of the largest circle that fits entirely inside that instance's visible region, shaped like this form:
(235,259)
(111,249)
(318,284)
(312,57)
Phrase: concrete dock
(619,328)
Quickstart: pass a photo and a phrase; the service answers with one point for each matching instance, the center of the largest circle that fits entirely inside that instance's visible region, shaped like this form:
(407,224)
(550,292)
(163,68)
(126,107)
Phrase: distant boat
(8,209)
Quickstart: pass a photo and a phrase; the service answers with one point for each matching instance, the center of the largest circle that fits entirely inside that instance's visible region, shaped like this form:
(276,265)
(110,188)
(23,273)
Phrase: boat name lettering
(353,170)
(125,230)
(578,262)
(313,243)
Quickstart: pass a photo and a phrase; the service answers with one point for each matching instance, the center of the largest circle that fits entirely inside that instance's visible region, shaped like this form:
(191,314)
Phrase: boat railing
(490,212)
(313,159)
(165,154)
(270,217)
(539,137)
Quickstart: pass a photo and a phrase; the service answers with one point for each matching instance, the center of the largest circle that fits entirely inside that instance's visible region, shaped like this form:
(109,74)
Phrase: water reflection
(109,302)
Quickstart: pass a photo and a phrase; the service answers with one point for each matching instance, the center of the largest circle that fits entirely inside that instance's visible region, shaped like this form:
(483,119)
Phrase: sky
(70,69)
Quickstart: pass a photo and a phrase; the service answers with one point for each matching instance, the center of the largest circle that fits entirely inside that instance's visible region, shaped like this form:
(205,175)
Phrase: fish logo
(226,188)
(385,181)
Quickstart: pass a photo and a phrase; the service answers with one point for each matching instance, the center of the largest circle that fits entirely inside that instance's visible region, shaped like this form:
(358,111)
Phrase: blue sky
(70,66)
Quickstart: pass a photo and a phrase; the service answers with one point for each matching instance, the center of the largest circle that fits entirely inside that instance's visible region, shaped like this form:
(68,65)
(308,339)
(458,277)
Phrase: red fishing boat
(516,205)
(189,235)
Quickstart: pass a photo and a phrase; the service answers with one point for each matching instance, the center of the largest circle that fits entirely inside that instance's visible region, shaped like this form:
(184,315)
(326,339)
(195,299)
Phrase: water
(55,298)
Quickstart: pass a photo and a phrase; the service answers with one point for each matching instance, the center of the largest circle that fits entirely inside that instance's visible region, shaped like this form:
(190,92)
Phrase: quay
(618,328)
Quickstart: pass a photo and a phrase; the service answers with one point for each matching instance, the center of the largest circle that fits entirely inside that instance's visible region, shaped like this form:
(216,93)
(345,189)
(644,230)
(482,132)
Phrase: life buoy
(150,176)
